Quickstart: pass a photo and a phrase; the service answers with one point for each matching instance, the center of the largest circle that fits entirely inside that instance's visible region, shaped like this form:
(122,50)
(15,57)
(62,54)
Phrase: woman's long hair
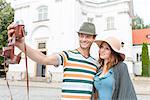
(114,59)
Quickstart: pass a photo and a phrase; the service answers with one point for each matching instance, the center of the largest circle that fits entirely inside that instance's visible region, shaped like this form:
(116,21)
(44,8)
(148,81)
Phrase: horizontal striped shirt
(78,75)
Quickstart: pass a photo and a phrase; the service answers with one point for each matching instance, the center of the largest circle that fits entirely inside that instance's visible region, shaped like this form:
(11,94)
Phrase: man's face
(86,40)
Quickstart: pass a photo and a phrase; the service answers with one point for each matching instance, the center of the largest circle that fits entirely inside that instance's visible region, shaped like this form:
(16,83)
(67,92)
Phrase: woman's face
(104,51)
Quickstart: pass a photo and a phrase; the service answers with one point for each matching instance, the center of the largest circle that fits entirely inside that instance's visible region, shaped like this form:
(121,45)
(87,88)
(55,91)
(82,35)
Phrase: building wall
(137,66)
(121,12)
(64,20)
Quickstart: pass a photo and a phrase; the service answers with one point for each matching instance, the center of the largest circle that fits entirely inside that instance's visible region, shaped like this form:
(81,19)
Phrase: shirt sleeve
(62,58)
(59,59)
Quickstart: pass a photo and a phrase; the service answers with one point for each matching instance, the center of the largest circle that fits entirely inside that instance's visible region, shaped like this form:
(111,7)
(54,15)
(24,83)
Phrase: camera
(8,52)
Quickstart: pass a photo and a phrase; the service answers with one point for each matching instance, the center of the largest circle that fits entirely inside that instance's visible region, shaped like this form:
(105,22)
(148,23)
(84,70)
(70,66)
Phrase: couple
(109,75)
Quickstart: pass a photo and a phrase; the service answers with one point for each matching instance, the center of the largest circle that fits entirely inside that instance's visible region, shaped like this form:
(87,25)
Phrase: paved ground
(38,90)
(142,88)
(142,85)
(51,91)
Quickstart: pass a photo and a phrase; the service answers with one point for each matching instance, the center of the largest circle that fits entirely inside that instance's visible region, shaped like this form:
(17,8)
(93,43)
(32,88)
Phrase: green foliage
(138,23)
(147,26)
(145,60)
(1,60)
(6,17)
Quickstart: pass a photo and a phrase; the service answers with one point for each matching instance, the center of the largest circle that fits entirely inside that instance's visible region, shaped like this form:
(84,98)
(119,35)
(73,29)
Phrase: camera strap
(8,52)
(26,62)
(5,69)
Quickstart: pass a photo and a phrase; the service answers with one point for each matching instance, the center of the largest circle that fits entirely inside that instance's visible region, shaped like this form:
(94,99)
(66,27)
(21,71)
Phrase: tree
(145,60)
(6,17)
(138,23)
(147,26)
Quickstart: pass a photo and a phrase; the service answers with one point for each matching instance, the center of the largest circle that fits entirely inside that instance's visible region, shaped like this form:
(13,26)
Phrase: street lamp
(122,44)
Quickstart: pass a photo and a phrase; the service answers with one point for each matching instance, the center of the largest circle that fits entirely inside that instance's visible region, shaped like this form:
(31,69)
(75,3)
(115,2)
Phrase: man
(79,66)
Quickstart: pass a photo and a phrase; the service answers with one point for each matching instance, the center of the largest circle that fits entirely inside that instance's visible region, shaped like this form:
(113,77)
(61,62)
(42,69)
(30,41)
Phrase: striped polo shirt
(78,75)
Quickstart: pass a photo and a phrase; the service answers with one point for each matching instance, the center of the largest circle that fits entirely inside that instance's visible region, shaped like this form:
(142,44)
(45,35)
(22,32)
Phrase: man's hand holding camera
(16,34)
(15,38)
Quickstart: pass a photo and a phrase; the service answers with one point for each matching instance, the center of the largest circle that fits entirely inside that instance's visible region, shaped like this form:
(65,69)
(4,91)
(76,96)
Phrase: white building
(51,27)
(144,35)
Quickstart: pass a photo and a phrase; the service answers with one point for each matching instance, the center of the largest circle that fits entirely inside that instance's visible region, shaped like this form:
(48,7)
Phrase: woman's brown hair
(115,58)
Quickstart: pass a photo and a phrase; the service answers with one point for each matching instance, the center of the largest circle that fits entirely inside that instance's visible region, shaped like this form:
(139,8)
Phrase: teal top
(105,85)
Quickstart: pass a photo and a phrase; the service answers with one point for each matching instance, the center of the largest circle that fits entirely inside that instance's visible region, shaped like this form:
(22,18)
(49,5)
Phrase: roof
(140,36)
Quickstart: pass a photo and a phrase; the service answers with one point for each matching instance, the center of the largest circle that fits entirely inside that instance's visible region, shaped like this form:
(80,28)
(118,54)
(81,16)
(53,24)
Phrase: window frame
(110,23)
(42,13)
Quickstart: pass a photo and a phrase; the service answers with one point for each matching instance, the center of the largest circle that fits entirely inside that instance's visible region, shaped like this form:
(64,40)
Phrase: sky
(141,8)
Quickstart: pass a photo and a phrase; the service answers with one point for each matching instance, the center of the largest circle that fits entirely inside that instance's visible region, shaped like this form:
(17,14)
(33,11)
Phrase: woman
(112,81)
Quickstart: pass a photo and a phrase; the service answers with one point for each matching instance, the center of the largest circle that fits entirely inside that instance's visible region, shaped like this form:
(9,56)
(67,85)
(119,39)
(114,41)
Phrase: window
(90,19)
(43,13)
(138,57)
(41,45)
(110,23)
(148,36)
(58,0)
